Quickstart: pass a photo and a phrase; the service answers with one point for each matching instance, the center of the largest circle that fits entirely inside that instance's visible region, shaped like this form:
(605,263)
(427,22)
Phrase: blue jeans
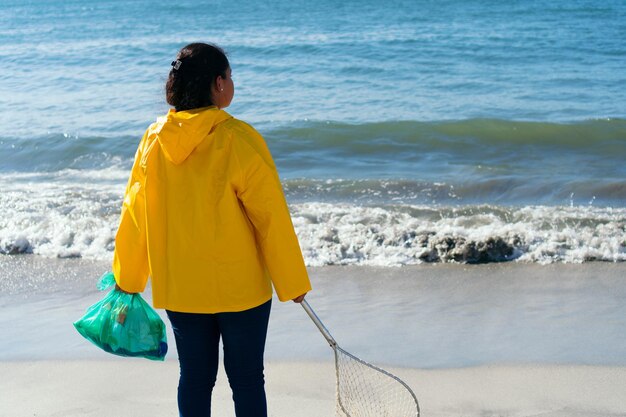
(197,340)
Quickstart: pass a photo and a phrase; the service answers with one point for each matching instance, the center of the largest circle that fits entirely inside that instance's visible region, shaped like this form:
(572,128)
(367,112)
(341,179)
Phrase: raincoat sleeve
(130,258)
(263,200)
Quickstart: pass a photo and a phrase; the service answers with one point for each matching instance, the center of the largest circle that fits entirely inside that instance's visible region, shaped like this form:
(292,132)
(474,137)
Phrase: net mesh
(363,390)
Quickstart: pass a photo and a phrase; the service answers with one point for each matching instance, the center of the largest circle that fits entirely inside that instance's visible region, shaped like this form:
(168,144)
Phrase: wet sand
(489,340)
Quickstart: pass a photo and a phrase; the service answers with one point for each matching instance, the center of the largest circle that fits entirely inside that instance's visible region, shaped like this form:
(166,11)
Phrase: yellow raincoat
(205,217)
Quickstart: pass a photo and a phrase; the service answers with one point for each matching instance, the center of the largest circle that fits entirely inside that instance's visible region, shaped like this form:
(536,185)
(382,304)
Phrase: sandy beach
(493,340)
(305,389)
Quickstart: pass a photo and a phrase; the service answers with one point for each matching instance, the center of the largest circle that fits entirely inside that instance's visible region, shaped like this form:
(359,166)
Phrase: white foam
(70,213)
(74,213)
(348,234)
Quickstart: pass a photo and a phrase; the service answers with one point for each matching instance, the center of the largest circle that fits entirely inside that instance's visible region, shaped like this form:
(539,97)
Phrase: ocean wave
(405,141)
(498,190)
(401,235)
(81,222)
(391,193)
(59,151)
(445,134)
(477,161)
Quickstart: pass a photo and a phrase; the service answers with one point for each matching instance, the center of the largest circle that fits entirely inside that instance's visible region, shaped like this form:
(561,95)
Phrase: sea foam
(77,218)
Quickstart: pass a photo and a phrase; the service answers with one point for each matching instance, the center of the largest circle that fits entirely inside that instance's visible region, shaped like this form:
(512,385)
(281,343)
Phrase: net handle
(331,341)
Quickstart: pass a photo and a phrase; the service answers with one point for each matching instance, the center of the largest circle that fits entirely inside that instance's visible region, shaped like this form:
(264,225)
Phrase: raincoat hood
(180,132)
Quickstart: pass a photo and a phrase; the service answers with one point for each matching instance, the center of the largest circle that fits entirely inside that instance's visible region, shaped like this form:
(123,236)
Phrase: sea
(404,132)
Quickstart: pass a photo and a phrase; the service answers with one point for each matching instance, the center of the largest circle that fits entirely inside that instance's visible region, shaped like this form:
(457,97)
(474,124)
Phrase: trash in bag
(123,324)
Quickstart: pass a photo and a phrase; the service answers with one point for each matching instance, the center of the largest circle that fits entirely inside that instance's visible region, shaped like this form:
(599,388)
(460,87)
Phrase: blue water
(89,68)
(404,132)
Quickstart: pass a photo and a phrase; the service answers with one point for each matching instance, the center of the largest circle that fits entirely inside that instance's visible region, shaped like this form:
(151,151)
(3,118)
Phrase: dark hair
(193,73)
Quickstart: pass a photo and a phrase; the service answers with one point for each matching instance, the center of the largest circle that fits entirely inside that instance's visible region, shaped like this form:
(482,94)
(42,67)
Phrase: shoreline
(24,273)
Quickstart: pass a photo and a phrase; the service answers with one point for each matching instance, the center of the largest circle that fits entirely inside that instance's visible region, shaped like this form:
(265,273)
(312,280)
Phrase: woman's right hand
(299,299)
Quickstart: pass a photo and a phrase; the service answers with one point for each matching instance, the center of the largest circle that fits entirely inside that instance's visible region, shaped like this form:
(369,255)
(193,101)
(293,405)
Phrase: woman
(205,217)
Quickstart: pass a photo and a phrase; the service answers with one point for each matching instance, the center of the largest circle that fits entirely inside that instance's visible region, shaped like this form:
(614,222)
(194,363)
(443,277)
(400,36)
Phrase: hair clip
(176,64)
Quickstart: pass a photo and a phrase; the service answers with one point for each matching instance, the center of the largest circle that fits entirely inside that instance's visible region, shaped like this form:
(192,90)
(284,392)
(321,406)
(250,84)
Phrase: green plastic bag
(123,324)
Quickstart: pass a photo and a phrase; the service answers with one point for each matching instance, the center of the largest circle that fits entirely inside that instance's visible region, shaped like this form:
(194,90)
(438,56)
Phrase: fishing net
(364,390)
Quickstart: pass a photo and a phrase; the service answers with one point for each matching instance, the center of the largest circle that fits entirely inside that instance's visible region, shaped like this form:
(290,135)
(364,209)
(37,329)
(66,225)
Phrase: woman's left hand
(299,299)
